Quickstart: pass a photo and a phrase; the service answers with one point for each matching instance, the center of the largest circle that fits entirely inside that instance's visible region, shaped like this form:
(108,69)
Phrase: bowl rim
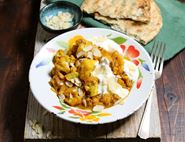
(64,3)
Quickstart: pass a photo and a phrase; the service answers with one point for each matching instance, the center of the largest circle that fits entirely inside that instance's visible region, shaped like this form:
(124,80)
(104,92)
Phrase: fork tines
(157,55)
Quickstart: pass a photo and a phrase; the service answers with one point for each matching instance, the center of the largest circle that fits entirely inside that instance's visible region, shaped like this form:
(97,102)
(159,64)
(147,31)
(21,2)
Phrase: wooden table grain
(18,21)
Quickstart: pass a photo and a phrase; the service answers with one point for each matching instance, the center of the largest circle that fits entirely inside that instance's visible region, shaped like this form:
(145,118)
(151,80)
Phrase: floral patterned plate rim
(42,65)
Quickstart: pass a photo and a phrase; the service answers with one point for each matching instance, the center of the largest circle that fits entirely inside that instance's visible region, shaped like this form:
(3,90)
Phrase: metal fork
(157,56)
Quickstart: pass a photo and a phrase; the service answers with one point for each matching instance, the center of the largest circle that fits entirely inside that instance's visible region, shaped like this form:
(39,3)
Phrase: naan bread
(142,32)
(137,10)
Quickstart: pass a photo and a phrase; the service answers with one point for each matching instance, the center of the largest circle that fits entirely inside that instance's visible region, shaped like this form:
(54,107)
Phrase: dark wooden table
(18,20)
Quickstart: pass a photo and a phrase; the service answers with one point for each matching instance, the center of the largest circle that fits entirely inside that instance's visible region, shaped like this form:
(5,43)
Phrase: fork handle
(144,129)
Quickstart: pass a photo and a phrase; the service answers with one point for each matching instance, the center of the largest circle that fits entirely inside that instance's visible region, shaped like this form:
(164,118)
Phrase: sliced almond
(80,92)
(34,134)
(84,102)
(49,134)
(90,55)
(80,54)
(73,80)
(61,97)
(38,129)
(69,84)
(88,48)
(118,76)
(77,82)
(70,96)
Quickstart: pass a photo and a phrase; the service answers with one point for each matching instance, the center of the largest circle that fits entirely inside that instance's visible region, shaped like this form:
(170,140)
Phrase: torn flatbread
(142,32)
(137,10)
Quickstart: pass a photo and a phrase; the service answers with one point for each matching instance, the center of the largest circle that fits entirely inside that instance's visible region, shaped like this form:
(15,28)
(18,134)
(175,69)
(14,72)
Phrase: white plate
(42,65)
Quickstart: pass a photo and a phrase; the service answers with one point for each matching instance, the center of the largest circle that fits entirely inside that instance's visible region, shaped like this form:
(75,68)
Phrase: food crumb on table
(38,130)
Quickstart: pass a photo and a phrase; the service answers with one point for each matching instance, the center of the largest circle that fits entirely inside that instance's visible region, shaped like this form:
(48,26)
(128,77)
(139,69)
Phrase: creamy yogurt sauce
(106,44)
(108,81)
(131,70)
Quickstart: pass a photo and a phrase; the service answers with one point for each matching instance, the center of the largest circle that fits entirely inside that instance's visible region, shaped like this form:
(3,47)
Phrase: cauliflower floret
(85,68)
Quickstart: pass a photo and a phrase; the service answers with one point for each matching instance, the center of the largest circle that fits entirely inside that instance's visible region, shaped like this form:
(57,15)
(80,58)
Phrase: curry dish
(87,75)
